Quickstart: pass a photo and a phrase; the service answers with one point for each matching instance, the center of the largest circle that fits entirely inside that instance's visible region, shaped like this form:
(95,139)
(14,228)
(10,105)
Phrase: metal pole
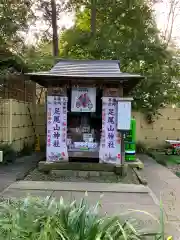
(122,149)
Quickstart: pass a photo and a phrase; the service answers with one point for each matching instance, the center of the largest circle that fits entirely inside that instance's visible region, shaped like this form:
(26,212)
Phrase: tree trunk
(93,18)
(54,27)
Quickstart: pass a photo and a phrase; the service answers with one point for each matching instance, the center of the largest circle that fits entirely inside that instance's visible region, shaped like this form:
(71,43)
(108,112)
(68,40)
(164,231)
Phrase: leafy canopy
(126,30)
(14,19)
(15,16)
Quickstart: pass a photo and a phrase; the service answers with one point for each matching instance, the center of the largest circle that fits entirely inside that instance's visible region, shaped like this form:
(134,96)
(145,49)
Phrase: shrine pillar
(56,144)
(110,144)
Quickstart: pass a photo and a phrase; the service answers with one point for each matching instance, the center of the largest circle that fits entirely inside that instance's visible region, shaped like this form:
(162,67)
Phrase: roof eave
(97,76)
(129,81)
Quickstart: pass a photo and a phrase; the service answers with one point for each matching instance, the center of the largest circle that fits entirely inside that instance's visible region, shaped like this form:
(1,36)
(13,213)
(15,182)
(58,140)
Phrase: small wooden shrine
(82,109)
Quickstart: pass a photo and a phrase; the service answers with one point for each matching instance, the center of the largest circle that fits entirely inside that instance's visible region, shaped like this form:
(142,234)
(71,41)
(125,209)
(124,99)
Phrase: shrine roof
(101,71)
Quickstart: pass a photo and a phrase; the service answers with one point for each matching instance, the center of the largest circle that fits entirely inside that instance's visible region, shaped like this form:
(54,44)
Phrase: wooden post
(10,121)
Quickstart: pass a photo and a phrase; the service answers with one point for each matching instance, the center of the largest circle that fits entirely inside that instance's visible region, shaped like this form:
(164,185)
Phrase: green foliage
(141,147)
(14,18)
(9,60)
(9,155)
(126,30)
(48,219)
(11,65)
(158,157)
(178,174)
(39,58)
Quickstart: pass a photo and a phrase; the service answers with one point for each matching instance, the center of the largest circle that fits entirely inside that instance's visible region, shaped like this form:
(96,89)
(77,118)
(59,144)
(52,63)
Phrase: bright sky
(161,12)
(67,21)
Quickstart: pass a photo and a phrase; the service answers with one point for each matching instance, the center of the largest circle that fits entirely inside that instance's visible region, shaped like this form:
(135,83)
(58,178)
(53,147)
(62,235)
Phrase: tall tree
(50,12)
(54,28)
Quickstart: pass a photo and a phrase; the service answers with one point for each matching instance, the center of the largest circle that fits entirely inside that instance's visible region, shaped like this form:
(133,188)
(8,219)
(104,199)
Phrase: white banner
(56,128)
(110,145)
(83,100)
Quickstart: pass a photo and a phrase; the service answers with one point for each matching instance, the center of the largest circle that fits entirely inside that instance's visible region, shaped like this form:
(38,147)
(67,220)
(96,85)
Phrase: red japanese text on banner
(56,128)
(109,146)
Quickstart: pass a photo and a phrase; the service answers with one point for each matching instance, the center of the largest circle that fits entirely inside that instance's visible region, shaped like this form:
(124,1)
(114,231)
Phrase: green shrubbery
(47,219)
(141,147)
(9,155)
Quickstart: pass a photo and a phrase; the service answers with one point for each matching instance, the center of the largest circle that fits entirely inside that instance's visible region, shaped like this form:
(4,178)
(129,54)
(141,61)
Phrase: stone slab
(169,195)
(13,171)
(63,173)
(83,174)
(64,194)
(173,230)
(136,164)
(116,198)
(48,166)
(172,211)
(141,179)
(107,174)
(173,182)
(80,186)
(166,186)
(13,193)
(142,216)
(165,174)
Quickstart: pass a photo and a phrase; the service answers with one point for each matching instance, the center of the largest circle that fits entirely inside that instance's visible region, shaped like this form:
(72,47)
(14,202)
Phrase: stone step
(80,186)
(85,174)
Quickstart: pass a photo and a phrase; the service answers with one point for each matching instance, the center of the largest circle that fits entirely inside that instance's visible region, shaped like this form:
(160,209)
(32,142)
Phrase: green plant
(159,158)
(178,174)
(161,221)
(26,150)
(47,219)
(9,155)
(141,147)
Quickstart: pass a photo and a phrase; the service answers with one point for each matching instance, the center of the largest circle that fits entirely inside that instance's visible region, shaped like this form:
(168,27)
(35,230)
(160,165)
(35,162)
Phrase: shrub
(47,219)
(141,147)
(9,155)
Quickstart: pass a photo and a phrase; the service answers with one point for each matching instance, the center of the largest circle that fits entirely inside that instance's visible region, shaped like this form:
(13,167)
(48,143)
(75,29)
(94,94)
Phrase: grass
(47,219)
(9,155)
(178,174)
(164,159)
(170,161)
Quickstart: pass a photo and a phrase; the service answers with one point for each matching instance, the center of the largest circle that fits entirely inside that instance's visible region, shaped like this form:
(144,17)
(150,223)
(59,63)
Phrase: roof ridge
(87,60)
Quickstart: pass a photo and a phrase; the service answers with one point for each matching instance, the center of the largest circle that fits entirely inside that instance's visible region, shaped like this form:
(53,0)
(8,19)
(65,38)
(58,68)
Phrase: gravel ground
(36,175)
(174,168)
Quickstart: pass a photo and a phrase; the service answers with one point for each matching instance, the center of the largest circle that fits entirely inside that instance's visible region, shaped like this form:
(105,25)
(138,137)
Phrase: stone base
(83,174)
(83,168)
(136,164)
